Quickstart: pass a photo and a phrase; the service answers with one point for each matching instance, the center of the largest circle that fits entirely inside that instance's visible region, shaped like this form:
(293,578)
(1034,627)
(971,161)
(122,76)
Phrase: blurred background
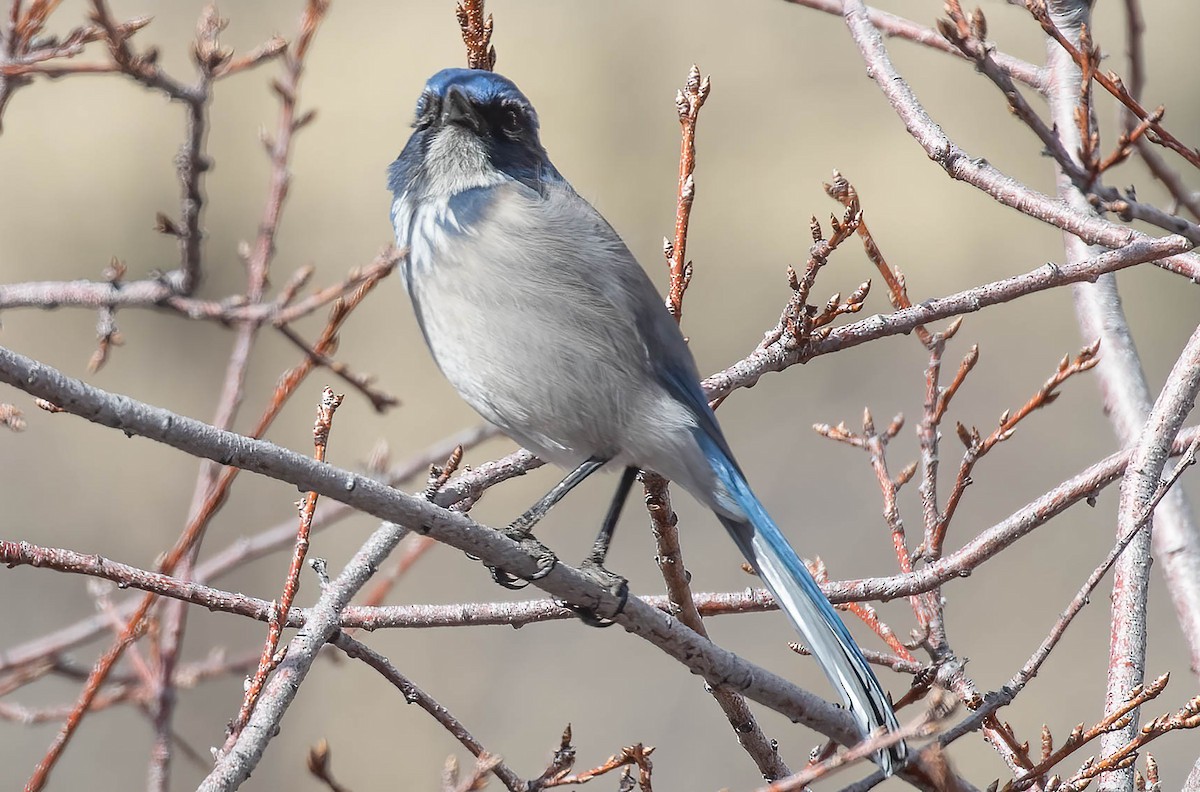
(86,162)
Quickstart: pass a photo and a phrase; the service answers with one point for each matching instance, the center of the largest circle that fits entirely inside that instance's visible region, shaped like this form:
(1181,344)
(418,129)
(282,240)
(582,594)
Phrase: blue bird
(544,322)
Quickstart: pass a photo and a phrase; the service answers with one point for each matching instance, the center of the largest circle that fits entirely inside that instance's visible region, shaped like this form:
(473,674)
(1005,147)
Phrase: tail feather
(798,595)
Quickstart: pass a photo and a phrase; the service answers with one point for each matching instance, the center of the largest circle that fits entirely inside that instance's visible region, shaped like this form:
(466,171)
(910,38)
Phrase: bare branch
(414,695)
(977,171)
(476,34)
(778,355)
(239,757)
(940,706)
(1127,652)
(269,660)
(163,293)
(716,665)
(688,102)
(897,26)
(669,556)
(1123,384)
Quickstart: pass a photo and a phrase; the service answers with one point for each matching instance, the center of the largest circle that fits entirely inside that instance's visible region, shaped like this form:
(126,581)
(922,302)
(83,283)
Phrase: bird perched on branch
(544,322)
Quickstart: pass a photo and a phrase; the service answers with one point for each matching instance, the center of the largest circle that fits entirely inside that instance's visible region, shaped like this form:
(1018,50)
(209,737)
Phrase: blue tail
(765,547)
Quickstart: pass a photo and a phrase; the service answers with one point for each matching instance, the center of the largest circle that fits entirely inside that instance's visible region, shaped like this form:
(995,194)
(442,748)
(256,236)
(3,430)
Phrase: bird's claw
(521,527)
(616,585)
(510,582)
(546,560)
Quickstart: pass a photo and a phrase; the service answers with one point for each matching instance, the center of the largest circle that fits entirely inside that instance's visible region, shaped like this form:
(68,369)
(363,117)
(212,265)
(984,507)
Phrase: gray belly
(556,378)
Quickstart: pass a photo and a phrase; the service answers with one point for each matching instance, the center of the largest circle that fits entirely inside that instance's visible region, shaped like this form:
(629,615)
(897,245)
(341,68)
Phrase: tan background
(85,163)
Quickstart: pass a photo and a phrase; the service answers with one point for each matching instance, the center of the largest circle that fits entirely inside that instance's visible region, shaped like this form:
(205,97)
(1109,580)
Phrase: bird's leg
(604,538)
(593,565)
(523,525)
(521,529)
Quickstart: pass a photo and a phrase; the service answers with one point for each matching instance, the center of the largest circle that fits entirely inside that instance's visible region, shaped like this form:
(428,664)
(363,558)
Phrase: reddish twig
(688,102)
(669,556)
(476,34)
(192,533)
(940,706)
(25,50)
(12,418)
(1079,737)
(268,50)
(1085,58)
(559,771)
(1186,717)
(977,446)
(663,519)
(1169,177)
(440,475)
(269,660)
(318,762)
(363,383)
(842,191)
(800,323)
(892,25)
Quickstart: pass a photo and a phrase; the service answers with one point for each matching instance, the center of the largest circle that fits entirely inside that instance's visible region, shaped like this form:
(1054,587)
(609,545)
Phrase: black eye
(511,121)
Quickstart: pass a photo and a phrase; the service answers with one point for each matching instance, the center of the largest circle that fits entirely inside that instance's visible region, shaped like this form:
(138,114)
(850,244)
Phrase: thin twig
(778,355)
(977,171)
(1127,651)
(1110,82)
(1030,668)
(669,556)
(477,34)
(716,665)
(194,531)
(940,706)
(363,383)
(269,660)
(898,26)
(688,102)
(414,695)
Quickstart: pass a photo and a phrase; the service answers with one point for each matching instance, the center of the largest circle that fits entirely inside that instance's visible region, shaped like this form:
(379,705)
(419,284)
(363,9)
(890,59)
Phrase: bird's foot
(546,560)
(616,585)
(523,526)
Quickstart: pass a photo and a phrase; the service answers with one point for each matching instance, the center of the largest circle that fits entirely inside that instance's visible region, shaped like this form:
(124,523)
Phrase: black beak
(457,109)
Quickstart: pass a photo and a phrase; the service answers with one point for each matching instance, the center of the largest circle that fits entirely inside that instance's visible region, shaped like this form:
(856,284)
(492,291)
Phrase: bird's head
(472,128)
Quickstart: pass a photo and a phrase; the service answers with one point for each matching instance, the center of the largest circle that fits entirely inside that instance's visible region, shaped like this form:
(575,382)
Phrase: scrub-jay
(539,315)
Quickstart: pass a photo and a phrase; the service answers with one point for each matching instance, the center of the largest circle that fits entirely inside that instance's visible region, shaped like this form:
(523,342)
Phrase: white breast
(422,228)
